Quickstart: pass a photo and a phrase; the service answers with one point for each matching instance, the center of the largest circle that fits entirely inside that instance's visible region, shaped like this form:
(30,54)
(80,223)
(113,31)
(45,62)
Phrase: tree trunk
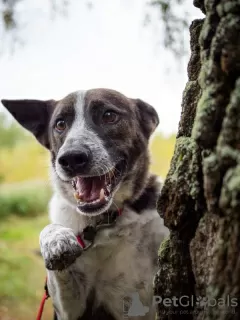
(199,264)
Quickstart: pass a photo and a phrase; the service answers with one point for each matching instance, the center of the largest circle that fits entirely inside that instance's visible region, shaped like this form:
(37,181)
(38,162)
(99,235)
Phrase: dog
(101,246)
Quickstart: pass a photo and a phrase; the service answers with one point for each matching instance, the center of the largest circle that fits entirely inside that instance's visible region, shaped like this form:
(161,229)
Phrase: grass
(24,199)
(22,272)
(28,160)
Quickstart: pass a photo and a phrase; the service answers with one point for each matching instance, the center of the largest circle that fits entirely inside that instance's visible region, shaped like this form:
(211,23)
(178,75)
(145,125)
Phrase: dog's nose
(75,161)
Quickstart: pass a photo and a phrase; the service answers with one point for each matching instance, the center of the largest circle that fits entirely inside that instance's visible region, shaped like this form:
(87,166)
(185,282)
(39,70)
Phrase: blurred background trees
(173,17)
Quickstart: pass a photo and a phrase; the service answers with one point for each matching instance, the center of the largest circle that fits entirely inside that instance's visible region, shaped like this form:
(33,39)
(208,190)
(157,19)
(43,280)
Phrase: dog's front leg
(60,249)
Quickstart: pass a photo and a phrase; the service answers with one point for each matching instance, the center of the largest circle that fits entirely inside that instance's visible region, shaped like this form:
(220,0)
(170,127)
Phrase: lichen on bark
(179,203)
(200,199)
(182,186)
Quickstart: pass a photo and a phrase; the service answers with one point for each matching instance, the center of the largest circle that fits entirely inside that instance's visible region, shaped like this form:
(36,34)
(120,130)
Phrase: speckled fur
(92,284)
(122,261)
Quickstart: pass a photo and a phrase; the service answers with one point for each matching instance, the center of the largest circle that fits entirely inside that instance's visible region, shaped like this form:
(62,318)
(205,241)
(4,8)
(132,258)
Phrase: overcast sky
(107,46)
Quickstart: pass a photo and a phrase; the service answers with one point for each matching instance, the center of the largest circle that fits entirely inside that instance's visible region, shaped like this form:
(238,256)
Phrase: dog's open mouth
(95,192)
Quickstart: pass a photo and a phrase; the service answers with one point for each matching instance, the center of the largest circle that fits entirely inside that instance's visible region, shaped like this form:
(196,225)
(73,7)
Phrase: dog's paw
(59,247)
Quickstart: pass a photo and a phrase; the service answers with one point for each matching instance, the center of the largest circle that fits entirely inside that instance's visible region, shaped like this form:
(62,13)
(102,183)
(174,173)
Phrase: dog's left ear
(149,119)
(33,115)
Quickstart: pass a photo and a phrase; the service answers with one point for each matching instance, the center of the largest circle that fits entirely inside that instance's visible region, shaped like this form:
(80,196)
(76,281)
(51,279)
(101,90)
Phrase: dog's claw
(59,247)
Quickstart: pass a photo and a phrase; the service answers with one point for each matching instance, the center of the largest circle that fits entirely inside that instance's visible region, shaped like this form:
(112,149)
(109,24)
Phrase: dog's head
(98,141)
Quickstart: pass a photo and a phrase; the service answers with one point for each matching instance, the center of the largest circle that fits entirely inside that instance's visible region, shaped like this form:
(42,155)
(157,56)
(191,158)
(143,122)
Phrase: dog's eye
(110,117)
(60,125)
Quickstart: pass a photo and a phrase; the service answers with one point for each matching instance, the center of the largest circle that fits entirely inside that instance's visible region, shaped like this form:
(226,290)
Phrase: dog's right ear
(149,119)
(33,115)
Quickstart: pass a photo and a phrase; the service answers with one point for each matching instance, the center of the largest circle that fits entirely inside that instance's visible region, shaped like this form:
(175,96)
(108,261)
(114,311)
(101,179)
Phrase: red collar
(89,232)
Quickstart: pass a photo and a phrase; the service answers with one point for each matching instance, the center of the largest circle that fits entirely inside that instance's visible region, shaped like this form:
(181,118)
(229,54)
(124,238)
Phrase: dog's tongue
(90,189)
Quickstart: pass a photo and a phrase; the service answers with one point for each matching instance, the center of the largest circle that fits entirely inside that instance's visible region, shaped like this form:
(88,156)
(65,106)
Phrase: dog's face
(98,141)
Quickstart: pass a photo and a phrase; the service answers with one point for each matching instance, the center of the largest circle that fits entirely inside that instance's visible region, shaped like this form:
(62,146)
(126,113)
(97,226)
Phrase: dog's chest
(120,263)
(114,267)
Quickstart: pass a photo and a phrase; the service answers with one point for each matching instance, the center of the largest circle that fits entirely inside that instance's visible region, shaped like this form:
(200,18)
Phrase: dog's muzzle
(76,162)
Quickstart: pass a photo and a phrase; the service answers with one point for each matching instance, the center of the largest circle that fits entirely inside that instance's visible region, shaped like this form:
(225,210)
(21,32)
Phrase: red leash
(40,311)
(44,298)
(46,294)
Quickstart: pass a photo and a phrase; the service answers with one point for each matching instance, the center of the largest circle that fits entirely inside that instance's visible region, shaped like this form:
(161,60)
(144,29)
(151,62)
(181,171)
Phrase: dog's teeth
(102,195)
(107,191)
(111,173)
(77,196)
(73,184)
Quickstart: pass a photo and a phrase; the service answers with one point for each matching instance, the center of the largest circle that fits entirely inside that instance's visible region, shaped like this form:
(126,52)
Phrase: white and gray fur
(93,284)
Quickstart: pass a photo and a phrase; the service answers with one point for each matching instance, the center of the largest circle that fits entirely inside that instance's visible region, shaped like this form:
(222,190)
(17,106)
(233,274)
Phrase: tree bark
(200,200)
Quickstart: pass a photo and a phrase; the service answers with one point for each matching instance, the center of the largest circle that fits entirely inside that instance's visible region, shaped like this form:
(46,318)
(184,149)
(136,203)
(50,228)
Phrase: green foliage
(27,160)
(22,272)
(10,133)
(175,21)
(9,18)
(24,199)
